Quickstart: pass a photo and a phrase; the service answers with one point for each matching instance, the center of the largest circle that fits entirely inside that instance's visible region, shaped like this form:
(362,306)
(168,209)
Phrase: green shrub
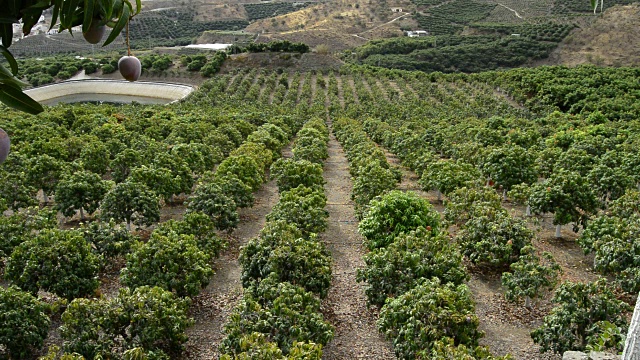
(24,323)
(57,261)
(426,314)
(255,346)
(303,207)
(255,255)
(236,189)
(148,318)
(290,174)
(446,176)
(397,268)
(373,180)
(201,227)
(244,168)
(173,262)
(211,200)
(467,203)
(107,239)
(576,319)
(529,276)
(284,313)
(18,227)
(494,238)
(304,262)
(396,212)
(130,202)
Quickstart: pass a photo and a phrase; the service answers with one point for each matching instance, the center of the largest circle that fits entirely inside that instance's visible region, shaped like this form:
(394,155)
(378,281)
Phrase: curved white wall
(108,90)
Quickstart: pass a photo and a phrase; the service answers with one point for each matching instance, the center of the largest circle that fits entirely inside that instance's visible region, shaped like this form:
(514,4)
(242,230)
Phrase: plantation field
(304,214)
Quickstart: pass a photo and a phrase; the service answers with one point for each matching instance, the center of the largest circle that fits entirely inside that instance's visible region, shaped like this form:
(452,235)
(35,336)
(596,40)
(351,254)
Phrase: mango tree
(81,190)
(132,203)
(57,261)
(578,317)
(509,165)
(529,276)
(24,323)
(567,195)
(445,176)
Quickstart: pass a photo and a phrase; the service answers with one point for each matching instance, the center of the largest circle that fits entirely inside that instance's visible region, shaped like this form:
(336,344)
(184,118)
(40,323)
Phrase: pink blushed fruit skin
(5,145)
(130,67)
(95,33)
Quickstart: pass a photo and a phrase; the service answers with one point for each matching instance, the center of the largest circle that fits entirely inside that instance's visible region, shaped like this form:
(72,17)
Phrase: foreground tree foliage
(58,261)
(393,270)
(148,318)
(419,318)
(576,320)
(172,262)
(24,323)
(394,213)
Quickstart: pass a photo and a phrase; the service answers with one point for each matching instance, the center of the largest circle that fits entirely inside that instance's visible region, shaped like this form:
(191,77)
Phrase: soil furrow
(356,334)
(212,307)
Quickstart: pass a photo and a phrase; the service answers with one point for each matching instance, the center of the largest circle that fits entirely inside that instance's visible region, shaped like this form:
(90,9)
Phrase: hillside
(612,40)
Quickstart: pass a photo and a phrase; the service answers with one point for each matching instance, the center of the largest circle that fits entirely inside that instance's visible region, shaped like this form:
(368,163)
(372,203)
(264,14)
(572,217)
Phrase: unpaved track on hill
(345,307)
(212,307)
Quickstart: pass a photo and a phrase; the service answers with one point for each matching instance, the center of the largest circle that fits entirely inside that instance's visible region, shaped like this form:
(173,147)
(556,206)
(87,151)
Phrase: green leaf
(7,34)
(57,4)
(68,10)
(88,15)
(12,62)
(122,21)
(16,99)
(138,7)
(7,78)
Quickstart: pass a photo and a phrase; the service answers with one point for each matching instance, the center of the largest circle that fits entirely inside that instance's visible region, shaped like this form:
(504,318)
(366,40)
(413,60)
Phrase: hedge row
(368,165)
(414,270)
(286,269)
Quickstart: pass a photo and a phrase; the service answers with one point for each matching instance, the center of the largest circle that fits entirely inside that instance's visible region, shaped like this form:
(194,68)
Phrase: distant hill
(470,35)
(612,40)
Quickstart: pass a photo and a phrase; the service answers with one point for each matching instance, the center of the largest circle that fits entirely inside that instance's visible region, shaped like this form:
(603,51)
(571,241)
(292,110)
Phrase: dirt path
(382,89)
(273,91)
(340,90)
(395,87)
(212,307)
(345,307)
(303,79)
(314,85)
(351,83)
